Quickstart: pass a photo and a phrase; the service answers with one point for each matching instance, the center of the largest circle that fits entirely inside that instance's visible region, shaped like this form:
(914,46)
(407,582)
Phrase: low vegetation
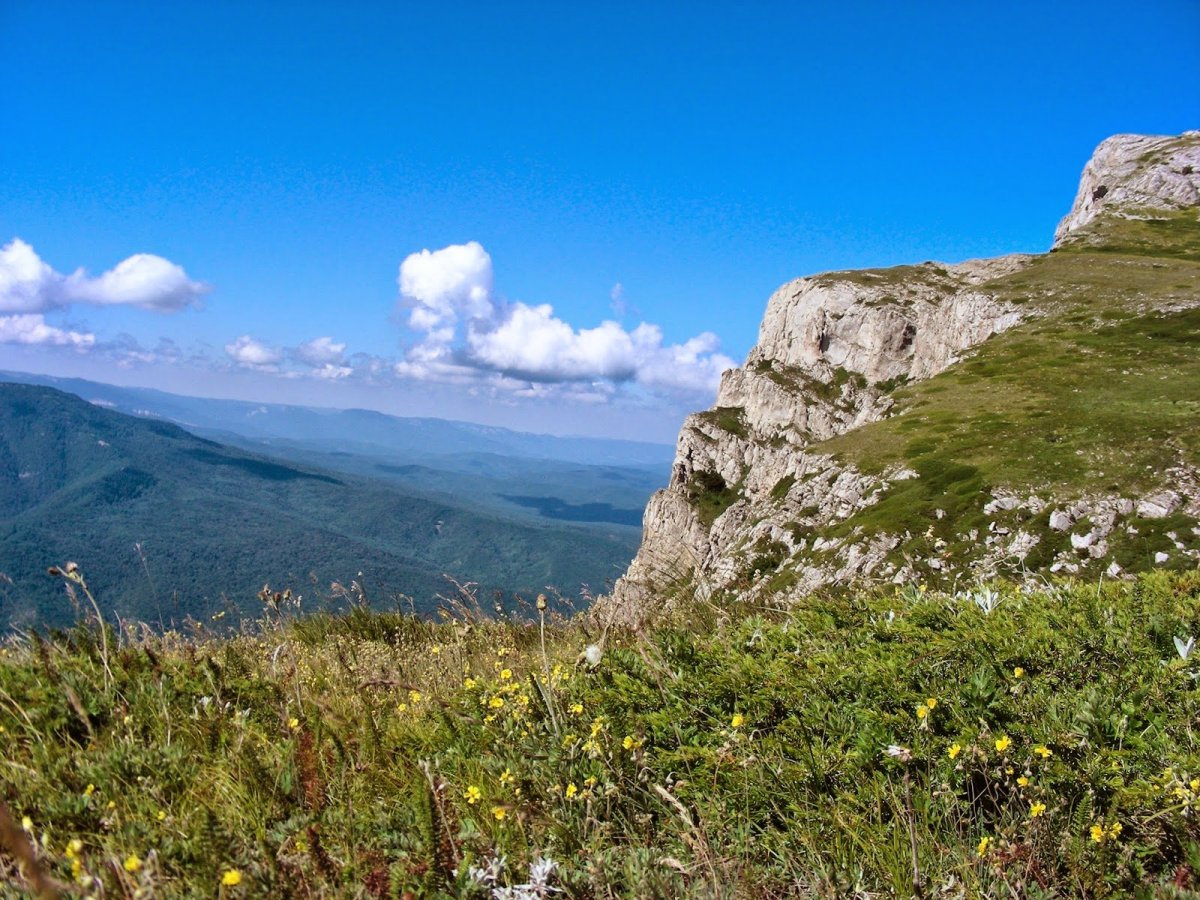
(996,741)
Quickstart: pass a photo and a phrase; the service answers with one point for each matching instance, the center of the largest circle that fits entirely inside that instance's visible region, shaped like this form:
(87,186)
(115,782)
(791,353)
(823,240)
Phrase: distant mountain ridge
(361,427)
(166,524)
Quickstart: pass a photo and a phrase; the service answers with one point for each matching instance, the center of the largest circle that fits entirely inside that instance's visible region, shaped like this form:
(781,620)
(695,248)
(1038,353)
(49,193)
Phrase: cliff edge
(1018,416)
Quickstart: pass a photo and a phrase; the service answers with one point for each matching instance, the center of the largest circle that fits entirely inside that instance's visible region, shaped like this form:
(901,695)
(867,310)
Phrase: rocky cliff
(1016,415)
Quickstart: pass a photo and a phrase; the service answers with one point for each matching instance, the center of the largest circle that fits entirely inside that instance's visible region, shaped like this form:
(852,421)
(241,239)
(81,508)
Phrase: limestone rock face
(1131,172)
(756,507)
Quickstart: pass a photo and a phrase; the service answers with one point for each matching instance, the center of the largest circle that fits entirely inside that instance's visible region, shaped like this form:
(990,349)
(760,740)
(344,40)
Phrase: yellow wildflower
(576,708)
(630,742)
(1023,781)
(982,849)
(132,863)
(162,814)
(954,750)
(498,813)
(1114,830)
(597,725)
(590,781)
(1036,809)
(1097,833)
(1018,672)
(505,674)
(435,649)
(496,702)
(737,721)
(506,777)
(231,878)
(1003,743)
(401,707)
(414,696)
(473,794)
(293,723)
(931,702)
(571,790)
(469,684)
(922,711)
(74,848)
(89,790)
(1043,752)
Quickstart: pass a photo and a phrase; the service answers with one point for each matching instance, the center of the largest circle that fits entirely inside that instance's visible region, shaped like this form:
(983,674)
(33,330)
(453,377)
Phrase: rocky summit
(947,424)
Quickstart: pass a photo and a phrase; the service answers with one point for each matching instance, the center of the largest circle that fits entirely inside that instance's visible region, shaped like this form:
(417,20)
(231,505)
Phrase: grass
(1094,395)
(1044,746)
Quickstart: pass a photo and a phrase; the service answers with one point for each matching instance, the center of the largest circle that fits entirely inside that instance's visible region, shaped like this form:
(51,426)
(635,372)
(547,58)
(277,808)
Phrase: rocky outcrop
(756,504)
(830,350)
(1132,173)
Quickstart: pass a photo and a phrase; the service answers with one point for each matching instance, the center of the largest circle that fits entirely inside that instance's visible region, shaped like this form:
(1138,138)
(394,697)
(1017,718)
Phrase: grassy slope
(1097,394)
(741,754)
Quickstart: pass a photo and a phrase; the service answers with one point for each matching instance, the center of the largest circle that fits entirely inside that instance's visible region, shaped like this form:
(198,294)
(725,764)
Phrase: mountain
(943,424)
(164,523)
(529,477)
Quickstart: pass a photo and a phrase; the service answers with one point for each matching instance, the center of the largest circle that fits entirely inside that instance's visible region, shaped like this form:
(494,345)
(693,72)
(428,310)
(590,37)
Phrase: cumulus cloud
(442,286)
(252,354)
(30,285)
(321,351)
(31,328)
(468,333)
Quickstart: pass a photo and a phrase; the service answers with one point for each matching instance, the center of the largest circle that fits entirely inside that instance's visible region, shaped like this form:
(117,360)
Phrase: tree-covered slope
(166,524)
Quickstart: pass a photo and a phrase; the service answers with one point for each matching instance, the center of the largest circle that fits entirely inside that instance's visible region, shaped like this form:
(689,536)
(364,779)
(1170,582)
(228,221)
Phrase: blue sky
(241,184)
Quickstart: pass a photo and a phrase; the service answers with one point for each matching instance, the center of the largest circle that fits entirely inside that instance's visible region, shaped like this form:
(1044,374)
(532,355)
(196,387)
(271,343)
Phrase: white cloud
(321,351)
(445,285)
(30,285)
(469,334)
(252,354)
(31,328)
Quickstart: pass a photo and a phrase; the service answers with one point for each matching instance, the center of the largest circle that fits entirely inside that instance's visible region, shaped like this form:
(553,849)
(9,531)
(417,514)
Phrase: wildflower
(630,742)
(89,790)
(1003,743)
(293,723)
(231,878)
(597,725)
(572,790)
(506,777)
(1043,752)
(577,708)
(922,711)
(162,814)
(27,824)
(498,813)
(401,707)
(931,702)
(1023,781)
(473,794)
(1114,830)
(469,683)
(1036,809)
(496,702)
(1018,672)
(506,674)
(132,863)
(982,849)
(435,649)
(74,848)
(1097,833)
(954,750)
(414,696)
(590,781)
(737,721)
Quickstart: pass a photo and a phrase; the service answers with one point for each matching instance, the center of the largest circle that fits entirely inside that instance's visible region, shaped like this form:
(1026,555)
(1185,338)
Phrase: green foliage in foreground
(1044,744)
